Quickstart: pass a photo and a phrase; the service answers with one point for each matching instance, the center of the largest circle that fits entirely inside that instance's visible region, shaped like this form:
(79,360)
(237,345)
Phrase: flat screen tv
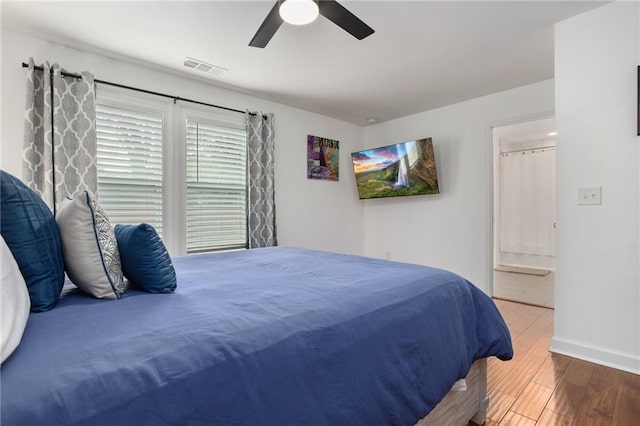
(407,168)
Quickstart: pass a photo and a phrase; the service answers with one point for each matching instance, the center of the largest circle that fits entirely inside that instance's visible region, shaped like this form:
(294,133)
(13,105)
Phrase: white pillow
(14,302)
(89,247)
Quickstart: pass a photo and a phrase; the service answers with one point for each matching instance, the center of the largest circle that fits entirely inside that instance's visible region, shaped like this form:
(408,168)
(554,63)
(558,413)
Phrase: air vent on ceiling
(198,65)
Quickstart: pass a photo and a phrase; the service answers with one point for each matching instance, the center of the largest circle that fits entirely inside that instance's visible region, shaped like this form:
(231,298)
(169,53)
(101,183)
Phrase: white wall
(597,261)
(315,214)
(451,230)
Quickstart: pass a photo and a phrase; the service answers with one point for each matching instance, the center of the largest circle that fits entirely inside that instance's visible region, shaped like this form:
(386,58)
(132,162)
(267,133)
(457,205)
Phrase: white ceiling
(423,55)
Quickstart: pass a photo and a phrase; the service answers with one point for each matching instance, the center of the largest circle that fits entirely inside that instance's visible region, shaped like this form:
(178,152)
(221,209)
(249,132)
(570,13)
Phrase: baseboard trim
(597,355)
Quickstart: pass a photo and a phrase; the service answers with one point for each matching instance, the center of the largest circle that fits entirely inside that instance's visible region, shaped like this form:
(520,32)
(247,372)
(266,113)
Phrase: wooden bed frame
(459,408)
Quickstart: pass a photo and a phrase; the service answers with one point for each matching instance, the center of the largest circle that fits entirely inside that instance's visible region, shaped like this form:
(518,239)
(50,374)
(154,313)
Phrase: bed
(281,335)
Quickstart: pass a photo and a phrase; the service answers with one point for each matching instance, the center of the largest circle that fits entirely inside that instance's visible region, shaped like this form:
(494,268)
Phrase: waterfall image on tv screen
(407,168)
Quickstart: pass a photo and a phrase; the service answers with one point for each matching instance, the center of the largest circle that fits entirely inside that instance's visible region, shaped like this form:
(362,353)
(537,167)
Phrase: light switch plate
(590,196)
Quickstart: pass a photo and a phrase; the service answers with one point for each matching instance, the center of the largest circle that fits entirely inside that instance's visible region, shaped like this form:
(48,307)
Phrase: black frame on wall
(638,100)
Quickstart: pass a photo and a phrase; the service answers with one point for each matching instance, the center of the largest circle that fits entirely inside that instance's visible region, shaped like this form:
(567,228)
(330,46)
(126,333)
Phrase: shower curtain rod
(529,149)
(150,92)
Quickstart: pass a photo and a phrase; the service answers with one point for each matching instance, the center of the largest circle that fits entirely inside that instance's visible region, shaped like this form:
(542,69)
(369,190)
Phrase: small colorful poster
(323,156)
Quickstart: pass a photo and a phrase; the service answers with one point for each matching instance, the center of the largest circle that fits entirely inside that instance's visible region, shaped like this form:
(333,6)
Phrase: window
(130,168)
(216,186)
(180,168)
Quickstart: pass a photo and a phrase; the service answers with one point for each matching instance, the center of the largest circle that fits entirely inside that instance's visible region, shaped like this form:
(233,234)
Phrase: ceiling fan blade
(336,13)
(268,28)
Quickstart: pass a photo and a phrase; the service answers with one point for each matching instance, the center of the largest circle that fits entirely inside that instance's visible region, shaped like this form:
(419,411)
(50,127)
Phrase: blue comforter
(277,336)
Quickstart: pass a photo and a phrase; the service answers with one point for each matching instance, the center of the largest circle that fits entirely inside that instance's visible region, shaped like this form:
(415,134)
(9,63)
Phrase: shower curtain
(527,202)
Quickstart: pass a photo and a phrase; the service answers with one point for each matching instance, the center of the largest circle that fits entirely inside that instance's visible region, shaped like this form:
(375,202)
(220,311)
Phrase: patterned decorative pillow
(145,260)
(29,229)
(14,302)
(89,247)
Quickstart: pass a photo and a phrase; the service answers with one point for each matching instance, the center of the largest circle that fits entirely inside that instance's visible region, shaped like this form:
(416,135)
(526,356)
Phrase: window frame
(206,115)
(174,151)
(149,104)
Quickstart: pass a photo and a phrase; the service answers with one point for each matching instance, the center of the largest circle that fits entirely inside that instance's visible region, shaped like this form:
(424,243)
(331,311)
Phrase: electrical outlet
(590,196)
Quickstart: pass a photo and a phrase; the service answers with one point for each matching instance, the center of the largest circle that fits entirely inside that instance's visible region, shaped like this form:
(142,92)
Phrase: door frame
(491,164)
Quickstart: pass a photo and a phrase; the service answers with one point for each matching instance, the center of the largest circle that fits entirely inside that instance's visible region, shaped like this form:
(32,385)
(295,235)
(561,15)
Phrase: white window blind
(129,159)
(216,186)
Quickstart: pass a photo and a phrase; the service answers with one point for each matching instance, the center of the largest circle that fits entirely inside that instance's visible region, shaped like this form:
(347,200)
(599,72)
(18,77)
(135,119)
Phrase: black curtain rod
(150,92)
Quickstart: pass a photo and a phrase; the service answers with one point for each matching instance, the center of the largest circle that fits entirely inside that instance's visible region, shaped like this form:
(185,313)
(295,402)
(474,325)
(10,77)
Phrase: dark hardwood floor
(541,388)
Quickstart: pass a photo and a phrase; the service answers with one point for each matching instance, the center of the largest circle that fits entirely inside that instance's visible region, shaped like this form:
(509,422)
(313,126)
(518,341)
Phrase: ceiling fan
(301,12)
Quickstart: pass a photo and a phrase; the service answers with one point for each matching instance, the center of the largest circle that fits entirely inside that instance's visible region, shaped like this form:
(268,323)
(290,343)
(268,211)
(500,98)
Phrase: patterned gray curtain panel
(260,165)
(59,134)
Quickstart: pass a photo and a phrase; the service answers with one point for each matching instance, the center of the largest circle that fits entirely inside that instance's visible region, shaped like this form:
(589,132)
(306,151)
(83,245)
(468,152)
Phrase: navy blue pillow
(30,230)
(144,258)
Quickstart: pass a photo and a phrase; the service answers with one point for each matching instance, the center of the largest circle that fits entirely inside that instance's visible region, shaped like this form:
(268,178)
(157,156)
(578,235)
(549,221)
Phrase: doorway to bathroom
(524,211)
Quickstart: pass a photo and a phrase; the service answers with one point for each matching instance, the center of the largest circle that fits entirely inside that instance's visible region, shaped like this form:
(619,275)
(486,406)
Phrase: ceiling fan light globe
(299,12)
